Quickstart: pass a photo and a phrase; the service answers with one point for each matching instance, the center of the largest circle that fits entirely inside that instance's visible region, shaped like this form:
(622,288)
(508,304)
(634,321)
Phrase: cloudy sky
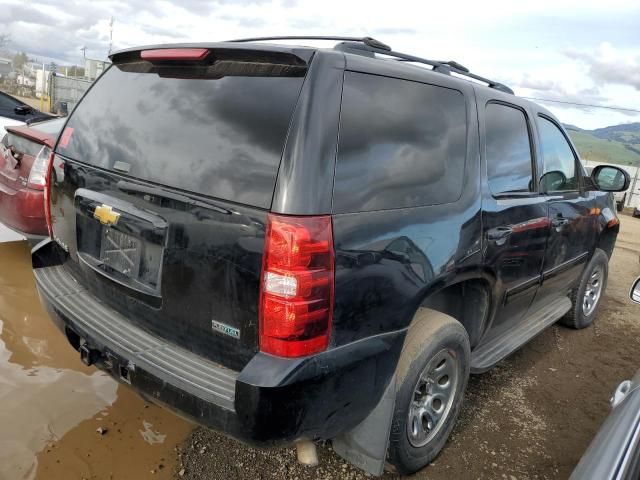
(574,51)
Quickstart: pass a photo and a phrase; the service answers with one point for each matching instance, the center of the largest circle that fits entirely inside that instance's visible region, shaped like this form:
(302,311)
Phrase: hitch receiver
(88,355)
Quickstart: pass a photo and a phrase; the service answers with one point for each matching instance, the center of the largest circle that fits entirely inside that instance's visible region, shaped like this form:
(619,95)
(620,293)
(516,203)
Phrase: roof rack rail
(441,66)
(370,42)
(371,45)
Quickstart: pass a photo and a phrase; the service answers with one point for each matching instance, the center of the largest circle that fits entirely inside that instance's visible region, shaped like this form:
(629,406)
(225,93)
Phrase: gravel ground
(530,417)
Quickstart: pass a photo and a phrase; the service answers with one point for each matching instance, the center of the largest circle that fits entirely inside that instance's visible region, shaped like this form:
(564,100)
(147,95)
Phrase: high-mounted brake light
(47,195)
(168,54)
(296,295)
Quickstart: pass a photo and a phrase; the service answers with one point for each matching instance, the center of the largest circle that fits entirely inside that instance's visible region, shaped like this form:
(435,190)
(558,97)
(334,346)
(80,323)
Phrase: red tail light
(296,301)
(38,174)
(47,195)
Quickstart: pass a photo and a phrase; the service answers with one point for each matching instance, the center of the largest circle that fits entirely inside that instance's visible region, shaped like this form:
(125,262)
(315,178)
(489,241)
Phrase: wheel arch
(607,240)
(469,300)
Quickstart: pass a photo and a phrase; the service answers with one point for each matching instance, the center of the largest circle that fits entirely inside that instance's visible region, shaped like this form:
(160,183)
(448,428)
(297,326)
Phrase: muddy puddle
(53,406)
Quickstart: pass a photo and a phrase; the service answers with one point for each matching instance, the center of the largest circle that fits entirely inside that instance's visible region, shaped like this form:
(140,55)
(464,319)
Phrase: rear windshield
(222,136)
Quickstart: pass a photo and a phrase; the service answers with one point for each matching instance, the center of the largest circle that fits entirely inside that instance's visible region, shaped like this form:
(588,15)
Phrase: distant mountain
(568,126)
(627,134)
(616,130)
(613,144)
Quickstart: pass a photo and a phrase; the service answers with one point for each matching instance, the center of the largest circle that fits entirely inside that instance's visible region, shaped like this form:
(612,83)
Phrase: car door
(514,217)
(570,214)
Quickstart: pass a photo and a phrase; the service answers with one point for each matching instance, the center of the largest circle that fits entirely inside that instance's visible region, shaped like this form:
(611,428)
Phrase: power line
(583,104)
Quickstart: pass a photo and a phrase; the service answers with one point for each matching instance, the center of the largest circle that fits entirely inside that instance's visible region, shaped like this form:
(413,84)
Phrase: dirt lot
(531,417)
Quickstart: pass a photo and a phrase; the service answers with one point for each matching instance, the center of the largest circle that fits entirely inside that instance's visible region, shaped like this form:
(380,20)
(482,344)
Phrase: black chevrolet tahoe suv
(289,244)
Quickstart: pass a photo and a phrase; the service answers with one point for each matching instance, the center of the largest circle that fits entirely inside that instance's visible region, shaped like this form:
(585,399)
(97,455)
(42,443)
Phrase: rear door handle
(499,233)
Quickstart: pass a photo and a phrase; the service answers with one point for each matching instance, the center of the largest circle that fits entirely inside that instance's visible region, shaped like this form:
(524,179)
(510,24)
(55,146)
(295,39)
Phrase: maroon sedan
(24,152)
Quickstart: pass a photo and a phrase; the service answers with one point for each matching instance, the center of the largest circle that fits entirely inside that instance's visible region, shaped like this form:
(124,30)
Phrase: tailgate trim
(182,368)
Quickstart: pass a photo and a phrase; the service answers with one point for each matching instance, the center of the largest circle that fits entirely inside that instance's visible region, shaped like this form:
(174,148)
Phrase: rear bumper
(271,401)
(23,211)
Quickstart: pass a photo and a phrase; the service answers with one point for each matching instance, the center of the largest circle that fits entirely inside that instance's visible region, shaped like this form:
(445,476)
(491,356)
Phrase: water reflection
(52,404)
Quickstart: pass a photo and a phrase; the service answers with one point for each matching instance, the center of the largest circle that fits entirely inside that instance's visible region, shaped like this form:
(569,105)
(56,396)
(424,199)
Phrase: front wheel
(432,376)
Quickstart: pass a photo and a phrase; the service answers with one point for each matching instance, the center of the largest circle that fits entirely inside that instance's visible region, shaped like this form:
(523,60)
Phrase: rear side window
(220,133)
(402,144)
(508,150)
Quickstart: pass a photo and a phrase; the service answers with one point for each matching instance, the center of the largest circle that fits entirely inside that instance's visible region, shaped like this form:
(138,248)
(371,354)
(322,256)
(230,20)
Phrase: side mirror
(610,179)
(23,110)
(553,181)
(635,291)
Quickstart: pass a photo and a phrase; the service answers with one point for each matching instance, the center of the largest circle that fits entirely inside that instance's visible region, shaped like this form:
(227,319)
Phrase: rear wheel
(587,295)
(432,375)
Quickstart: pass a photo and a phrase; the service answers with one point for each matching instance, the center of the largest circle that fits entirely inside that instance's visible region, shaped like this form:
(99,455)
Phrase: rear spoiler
(229,51)
(32,134)
(211,63)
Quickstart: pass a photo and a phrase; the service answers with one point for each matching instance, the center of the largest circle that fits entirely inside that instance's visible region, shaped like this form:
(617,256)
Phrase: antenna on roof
(111,34)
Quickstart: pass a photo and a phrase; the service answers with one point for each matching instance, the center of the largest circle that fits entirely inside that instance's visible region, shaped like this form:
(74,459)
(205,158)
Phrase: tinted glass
(220,136)
(402,144)
(6,102)
(559,163)
(508,150)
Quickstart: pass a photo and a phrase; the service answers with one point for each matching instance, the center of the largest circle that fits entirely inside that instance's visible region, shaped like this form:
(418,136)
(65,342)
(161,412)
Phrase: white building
(25,81)
(42,82)
(5,67)
(94,68)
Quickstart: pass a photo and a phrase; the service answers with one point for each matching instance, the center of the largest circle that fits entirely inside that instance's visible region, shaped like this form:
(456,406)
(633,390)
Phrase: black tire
(620,206)
(576,317)
(431,334)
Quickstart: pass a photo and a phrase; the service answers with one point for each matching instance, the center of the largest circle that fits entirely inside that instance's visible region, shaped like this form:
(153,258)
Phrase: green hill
(618,145)
(628,133)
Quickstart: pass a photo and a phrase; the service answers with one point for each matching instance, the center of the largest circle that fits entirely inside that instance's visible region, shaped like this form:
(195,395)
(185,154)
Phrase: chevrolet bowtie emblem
(106,215)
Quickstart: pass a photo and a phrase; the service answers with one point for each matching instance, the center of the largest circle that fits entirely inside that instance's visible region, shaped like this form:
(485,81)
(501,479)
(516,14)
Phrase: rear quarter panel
(378,290)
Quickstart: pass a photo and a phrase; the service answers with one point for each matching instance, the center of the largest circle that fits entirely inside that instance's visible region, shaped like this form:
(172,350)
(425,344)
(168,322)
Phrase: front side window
(559,163)
(508,150)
